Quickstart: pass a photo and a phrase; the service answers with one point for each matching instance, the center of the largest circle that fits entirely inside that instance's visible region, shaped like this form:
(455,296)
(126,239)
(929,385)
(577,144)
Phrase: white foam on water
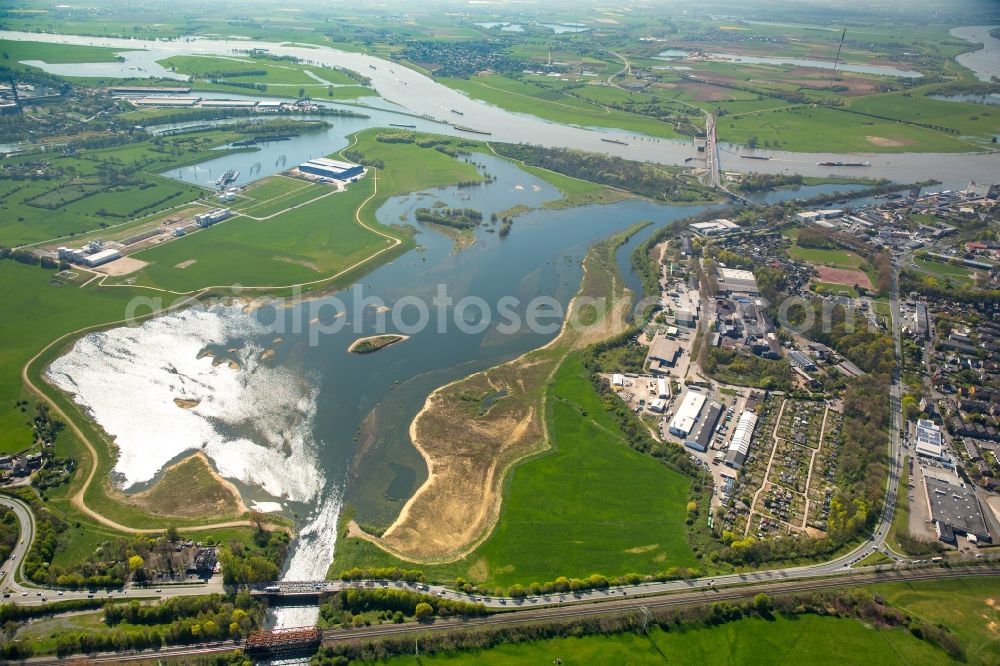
(255,421)
(310,560)
(266,507)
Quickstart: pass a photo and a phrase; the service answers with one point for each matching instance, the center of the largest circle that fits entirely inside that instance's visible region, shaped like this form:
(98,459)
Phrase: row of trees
(638,177)
(457,218)
(392,600)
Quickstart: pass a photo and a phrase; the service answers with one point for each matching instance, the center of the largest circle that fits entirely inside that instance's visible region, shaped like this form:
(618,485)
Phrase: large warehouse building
(687,414)
(734,280)
(701,437)
(739,446)
(327,168)
(954,510)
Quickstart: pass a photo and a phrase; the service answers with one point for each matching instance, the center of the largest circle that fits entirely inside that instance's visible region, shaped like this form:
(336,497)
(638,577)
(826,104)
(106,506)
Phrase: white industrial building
(735,280)
(687,414)
(717,227)
(662,391)
(212,217)
(739,446)
(102,257)
(93,254)
(929,442)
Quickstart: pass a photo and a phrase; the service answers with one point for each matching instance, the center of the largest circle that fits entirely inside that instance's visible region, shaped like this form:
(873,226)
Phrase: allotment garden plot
(788,480)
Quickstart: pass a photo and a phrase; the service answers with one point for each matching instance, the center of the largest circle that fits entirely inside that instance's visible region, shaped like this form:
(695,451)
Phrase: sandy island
(377,341)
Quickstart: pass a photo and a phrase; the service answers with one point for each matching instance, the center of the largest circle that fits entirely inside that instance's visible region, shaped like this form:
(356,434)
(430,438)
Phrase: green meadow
(301,245)
(827,257)
(13,52)
(590,504)
(551,104)
(820,130)
(807,639)
(307,237)
(283,79)
(964,606)
(945,270)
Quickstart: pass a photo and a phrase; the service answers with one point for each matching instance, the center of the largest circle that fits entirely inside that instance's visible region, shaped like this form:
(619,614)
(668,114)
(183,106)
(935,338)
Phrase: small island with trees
(373,343)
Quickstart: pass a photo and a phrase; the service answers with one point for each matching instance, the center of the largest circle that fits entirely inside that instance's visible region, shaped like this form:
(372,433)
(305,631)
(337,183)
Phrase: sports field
(826,257)
(843,276)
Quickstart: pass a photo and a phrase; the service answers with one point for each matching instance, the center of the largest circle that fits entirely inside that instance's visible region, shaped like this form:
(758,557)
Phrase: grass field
(564,512)
(819,130)
(827,257)
(943,269)
(833,288)
(42,309)
(284,79)
(967,606)
(309,243)
(305,244)
(13,52)
(807,639)
(533,99)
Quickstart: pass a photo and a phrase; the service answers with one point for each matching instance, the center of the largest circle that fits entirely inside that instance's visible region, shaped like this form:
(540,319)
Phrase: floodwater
(882,70)
(314,428)
(984,62)
(132,64)
(992,99)
(423,96)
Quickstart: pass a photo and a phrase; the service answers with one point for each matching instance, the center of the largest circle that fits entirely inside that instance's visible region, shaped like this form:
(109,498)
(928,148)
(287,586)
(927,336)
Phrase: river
(421,95)
(984,62)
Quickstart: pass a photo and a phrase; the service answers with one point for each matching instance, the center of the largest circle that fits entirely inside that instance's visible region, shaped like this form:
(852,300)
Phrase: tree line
(637,177)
